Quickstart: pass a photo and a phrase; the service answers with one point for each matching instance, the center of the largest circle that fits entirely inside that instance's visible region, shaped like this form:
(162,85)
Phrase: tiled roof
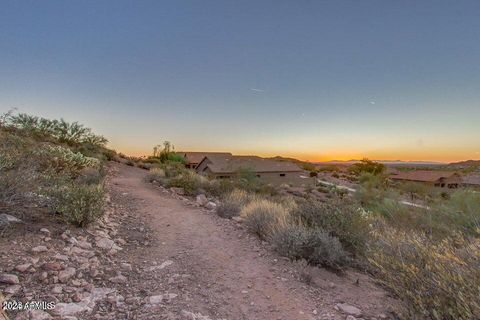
(196,157)
(231,164)
(423,175)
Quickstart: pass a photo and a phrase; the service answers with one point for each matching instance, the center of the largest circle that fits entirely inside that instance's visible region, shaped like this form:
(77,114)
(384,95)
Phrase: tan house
(269,171)
(471,180)
(440,179)
(192,159)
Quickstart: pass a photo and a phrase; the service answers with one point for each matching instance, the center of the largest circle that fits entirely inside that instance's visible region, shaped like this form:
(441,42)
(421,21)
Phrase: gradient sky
(318,80)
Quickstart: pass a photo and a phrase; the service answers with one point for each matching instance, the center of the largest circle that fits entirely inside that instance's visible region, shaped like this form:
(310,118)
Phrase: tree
(367,166)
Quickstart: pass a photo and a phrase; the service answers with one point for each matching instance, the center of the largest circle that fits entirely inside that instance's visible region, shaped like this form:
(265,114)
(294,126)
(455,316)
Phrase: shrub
(189,181)
(314,245)
(80,204)
(219,187)
(63,159)
(232,203)
(156,175)
(90,176)
(262,216)
(439,280)
(343,220)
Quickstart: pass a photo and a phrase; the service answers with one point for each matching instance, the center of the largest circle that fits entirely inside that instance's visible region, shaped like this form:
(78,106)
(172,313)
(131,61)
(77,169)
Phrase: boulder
(211,205)
(9,278)
(12,289)
(23,267)
(65,275)
(39,249)
(202,199)
(349,309)
(6,220)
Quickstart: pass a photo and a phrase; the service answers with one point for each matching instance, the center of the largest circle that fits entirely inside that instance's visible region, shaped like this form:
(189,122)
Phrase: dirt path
(206,267)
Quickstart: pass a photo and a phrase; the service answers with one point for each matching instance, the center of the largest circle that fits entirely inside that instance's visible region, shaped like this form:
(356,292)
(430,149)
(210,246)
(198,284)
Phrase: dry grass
(439,280)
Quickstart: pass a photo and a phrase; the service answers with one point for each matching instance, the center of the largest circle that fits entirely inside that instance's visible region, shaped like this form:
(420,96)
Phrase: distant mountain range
(387,162)
(465,164)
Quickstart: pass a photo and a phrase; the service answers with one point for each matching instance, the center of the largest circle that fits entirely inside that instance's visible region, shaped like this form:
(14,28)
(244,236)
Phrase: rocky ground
(159,255)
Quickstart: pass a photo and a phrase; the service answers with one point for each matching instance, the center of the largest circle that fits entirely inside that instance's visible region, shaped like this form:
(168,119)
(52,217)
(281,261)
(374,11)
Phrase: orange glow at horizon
(435,155)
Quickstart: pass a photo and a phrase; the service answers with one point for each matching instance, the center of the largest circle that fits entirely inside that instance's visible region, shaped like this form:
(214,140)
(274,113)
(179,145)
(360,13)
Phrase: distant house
(269,171)
(192,159)
(471,180)
(440,179)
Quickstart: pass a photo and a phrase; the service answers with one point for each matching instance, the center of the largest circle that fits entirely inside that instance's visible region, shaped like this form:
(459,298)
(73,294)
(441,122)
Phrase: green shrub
(219,187)
(341,219)
(438,279)
(189,181)
(80,204)
(314,245)
(263,216)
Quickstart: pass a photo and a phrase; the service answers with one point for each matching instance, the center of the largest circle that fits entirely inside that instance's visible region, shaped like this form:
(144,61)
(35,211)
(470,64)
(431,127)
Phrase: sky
(316,80)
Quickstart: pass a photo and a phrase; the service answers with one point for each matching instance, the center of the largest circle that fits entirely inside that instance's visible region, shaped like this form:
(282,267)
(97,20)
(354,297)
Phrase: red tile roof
(423,175)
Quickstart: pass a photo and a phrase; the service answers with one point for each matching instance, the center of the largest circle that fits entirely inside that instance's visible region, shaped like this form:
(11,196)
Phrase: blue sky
(317,80)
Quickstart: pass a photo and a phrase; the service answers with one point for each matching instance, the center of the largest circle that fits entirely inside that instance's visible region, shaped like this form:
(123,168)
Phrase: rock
(179,191)
(57,289)
(23,267)
(155,299)
(202,199)
(52,266)
(9,278)
(39,249)
(107,244)
(118,279)
(65,275)
(163,265)
(350,317)
(126,266)
(159,298)
(61,257)
(35,315)
(211,205)
(84,244)
(45,231)
(39,315)
(70,309)
(237,219)
(12,289)
(6,219)
(349,309)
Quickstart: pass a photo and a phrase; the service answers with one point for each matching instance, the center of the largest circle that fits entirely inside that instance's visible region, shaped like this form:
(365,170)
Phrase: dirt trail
(207,267)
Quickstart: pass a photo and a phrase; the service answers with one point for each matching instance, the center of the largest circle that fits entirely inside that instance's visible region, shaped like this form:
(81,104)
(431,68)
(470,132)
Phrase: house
(471,180)
(440,179)
(192,159)
(267,170)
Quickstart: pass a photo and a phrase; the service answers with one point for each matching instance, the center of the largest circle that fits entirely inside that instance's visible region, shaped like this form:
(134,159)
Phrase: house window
(282,174)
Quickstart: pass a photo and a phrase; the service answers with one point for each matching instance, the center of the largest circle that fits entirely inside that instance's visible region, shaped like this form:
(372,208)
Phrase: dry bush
(156,175)
(90,176)
(439,279)
(313,245)
(80,204)
(232,203)
(341,219)
(263,216)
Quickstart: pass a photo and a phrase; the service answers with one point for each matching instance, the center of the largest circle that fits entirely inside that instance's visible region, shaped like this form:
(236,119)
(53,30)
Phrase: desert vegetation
(427,255)
(51,166)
